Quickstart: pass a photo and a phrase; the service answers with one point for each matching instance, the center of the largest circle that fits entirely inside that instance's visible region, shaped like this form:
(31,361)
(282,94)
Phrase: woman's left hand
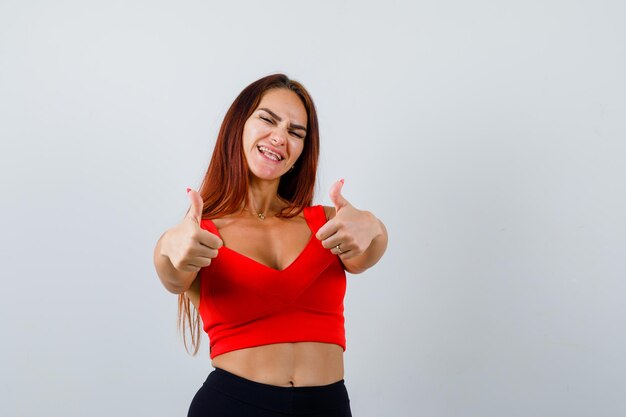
(351,231)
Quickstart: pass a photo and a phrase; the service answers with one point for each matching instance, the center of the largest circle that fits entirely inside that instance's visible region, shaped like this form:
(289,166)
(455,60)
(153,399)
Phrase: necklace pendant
(261,216)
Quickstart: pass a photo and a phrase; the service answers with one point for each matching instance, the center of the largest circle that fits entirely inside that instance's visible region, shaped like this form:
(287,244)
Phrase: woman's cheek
(296,147)
(262,128)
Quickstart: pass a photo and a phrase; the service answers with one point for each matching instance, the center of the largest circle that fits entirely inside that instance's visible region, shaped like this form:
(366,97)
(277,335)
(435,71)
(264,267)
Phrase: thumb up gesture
(350,231)
(187,245)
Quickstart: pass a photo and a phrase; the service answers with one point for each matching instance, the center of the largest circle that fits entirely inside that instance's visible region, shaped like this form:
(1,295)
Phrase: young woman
(264,269)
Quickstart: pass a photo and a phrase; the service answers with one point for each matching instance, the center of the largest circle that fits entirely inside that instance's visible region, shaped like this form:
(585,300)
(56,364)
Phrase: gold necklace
(261,216)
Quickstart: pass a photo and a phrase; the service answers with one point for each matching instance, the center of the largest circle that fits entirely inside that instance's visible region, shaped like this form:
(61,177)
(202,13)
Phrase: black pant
(224,394)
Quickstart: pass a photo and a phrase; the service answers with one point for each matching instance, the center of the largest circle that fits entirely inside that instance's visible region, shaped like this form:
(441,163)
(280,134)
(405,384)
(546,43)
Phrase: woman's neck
(263,197)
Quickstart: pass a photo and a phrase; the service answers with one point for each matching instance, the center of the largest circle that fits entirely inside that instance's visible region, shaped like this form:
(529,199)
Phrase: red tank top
(244,303)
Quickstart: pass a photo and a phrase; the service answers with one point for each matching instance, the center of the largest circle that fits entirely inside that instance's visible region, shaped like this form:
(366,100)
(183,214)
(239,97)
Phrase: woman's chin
(267,176)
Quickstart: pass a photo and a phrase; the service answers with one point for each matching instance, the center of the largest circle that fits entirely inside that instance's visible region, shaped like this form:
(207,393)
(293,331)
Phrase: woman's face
(273,136)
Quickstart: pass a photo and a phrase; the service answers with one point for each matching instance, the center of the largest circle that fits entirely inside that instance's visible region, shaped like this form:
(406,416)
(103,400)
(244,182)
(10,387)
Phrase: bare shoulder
(224,221)
(330,212)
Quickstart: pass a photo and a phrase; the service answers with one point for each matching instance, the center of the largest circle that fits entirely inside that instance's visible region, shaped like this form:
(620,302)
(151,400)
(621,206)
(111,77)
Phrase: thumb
(195,211)
(335,195)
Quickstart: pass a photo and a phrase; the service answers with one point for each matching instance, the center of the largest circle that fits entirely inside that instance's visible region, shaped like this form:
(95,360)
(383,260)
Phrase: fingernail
(188,189)
(341,180)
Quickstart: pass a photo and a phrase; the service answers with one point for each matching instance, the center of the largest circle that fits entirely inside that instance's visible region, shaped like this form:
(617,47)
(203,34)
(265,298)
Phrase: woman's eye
(296,135)
(266,119)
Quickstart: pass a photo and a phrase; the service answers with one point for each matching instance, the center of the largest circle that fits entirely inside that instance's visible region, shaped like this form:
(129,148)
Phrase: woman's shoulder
(329,211)
(222,221)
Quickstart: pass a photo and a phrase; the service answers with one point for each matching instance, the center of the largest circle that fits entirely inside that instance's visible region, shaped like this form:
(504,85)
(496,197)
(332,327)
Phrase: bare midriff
(286,364)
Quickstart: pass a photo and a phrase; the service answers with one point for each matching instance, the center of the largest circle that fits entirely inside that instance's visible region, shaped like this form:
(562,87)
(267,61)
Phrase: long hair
(224,188)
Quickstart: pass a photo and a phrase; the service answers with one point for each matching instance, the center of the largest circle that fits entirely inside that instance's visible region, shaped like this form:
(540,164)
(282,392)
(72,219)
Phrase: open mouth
(269,154)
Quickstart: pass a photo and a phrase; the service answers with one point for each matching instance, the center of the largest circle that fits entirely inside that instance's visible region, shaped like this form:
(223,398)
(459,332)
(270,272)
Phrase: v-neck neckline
(254,261)
(260,264)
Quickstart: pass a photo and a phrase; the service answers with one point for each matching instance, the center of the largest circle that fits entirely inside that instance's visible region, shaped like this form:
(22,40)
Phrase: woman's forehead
(284,103)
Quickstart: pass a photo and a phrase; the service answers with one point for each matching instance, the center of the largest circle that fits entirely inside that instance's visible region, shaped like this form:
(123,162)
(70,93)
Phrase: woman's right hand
(187,245)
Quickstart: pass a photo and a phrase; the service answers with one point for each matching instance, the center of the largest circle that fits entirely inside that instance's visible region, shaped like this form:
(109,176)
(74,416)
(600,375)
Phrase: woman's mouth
(269,154)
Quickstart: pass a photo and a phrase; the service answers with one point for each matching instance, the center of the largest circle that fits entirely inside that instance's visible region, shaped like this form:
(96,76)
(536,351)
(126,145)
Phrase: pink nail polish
(341,180)
(188,189)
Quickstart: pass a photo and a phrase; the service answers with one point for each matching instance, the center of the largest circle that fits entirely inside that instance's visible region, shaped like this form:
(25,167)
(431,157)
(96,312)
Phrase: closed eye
(270,121)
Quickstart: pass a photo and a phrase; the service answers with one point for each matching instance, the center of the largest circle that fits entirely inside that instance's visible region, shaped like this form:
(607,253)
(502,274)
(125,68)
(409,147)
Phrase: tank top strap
(208,224)
(315,216)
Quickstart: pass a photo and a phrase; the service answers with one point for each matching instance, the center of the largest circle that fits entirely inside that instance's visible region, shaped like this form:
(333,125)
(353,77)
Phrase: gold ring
(338,248)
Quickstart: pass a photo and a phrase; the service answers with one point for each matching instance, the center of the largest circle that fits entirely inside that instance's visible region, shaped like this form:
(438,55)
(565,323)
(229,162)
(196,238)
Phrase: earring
(292,167)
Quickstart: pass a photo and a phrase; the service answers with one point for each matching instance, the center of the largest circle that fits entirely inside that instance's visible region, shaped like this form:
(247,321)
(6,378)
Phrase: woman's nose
(279,136)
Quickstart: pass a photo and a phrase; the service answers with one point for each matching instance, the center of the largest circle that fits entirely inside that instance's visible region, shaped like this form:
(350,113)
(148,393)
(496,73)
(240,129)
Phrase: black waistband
(284,399)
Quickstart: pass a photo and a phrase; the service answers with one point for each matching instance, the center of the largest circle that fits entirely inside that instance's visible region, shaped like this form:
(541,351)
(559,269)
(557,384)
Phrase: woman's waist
(286,364)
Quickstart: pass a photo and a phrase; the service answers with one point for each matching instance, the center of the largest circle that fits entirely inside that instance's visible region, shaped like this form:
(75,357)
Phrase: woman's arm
(363,223)
(356,236)
(184,249)
(174,280)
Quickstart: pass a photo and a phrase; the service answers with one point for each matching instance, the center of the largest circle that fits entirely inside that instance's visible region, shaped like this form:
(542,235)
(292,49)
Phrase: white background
(488,136)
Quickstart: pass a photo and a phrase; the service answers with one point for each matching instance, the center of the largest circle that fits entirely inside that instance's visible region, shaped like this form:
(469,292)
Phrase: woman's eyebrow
(275,116)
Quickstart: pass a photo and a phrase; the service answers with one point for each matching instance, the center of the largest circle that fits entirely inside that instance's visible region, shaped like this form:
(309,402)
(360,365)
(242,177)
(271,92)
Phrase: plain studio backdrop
(488,136)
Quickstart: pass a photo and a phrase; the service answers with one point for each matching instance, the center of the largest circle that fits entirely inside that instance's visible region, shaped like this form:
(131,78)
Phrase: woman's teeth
(272,155)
